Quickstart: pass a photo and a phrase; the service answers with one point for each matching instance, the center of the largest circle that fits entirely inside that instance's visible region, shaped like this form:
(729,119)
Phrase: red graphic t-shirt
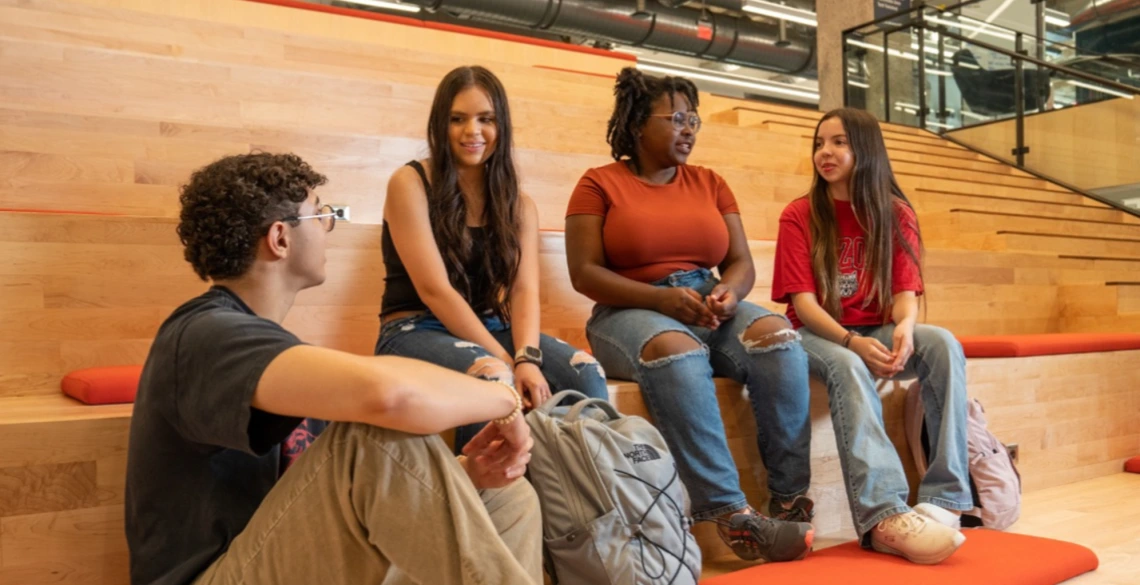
(300,439)
(793,272)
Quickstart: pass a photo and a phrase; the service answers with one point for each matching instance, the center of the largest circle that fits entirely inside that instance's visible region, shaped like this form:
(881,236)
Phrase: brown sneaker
(916,538)
(801,510)
(755,537)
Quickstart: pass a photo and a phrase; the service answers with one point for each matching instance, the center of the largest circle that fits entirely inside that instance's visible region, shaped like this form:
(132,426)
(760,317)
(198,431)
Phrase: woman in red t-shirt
(848,265)
(642,237)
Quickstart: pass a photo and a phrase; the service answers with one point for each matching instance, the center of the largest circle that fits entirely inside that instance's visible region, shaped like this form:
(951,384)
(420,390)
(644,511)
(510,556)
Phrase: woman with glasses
(460,245)
(643,237)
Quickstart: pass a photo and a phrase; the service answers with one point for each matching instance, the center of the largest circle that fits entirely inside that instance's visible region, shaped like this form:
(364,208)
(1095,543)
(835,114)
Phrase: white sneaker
(940,515)
(916,539)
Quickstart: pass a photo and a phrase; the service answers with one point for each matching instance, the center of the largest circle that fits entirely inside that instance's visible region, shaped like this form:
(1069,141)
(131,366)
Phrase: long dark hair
(634,94)
(874,192)
(448,209)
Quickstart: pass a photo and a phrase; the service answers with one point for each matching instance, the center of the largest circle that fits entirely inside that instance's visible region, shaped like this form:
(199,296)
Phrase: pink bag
(994,480)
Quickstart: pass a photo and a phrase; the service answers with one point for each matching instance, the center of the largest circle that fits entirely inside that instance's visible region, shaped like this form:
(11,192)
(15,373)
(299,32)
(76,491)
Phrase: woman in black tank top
(460,245)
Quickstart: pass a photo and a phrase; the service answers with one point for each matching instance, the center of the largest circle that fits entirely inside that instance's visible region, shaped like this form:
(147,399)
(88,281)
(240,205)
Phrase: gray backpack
(614,510)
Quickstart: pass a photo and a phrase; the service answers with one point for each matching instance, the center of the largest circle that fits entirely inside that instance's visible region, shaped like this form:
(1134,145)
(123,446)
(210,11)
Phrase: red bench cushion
(1132,465)
(983,346)
(988,556)
(105,385)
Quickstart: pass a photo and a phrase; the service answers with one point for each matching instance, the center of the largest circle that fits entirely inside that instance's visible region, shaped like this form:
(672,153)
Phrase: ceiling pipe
(734,40)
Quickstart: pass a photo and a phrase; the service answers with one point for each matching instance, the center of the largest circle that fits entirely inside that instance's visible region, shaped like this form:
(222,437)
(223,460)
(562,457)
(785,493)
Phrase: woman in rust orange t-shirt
(644,236)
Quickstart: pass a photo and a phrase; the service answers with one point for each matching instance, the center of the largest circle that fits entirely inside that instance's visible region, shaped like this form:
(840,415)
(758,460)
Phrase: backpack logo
(642,453)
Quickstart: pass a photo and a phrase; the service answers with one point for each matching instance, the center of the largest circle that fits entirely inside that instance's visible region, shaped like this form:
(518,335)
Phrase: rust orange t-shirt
(651,231)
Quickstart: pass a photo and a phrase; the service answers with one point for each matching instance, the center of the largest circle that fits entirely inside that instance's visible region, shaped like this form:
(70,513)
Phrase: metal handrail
(1012,31)
(949,9)
(1019,57)
(916,8)
(1038,62)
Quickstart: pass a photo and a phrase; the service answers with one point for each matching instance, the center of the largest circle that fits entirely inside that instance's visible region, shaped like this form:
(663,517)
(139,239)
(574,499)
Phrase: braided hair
(634,94)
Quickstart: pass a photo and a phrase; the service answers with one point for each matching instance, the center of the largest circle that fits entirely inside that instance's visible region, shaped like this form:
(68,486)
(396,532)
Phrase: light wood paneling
(61,492)
(355,108)
(1095,145)
(109,104)
(89,290)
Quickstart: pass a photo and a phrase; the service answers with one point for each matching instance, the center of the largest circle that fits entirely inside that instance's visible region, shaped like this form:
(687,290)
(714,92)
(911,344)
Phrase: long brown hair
(874,192)
(447,208)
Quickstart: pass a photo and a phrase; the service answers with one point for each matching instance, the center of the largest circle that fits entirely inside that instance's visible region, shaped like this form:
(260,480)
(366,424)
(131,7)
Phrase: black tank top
(399,292)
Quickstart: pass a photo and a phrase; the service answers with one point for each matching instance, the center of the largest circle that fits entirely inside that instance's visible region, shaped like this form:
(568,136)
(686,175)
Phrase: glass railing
(1066,124)
(1054,47)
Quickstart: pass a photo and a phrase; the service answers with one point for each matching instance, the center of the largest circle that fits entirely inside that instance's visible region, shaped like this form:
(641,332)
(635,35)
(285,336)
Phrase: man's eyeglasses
(682,119)
(326,214)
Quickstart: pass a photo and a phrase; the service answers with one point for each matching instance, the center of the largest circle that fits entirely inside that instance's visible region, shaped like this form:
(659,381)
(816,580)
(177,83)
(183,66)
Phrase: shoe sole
(809,538)
(932,560)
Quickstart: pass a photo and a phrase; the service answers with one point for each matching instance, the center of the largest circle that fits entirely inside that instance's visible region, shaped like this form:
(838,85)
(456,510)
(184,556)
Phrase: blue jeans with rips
(681,397)
(424,337)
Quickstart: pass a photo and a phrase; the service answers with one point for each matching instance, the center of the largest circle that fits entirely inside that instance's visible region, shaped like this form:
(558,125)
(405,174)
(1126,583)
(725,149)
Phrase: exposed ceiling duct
(675,30)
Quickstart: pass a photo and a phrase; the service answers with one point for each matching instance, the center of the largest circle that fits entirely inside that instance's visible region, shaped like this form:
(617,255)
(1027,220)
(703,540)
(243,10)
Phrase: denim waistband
(690,278)
(430,322)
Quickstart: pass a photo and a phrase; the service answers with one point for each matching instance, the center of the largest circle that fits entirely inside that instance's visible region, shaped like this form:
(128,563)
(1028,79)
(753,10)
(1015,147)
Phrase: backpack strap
(552,402)
(604,405)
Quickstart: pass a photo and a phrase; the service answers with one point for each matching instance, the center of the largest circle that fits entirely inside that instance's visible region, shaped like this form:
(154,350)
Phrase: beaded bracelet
(510,418)
(847,338)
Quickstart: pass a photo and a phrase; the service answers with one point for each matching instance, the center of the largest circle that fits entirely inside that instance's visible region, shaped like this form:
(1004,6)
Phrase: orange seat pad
(986,346)
(103,385)
(988,556)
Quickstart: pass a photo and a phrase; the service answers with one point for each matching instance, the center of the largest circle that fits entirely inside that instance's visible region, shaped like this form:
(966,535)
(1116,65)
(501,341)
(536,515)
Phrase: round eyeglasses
(326,214)
(682,119)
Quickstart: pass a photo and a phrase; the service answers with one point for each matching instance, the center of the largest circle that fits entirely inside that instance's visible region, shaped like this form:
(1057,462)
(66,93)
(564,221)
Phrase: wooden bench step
(62,474)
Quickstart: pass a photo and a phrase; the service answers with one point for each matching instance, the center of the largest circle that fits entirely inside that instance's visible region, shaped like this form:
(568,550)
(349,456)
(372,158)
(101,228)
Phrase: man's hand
(498,454)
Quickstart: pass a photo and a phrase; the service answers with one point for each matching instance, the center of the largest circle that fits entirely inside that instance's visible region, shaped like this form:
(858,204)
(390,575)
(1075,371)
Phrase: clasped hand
(689,307)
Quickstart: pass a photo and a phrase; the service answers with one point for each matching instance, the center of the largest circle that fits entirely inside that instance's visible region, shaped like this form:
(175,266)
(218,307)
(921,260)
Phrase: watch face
(531,354)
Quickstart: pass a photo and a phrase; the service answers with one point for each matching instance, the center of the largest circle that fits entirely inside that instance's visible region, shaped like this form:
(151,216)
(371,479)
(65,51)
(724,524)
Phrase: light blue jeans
(681,397)
(876,484)
(425,337)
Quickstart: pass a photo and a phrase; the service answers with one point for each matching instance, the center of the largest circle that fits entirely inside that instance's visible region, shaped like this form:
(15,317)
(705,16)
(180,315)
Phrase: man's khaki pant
(365,506)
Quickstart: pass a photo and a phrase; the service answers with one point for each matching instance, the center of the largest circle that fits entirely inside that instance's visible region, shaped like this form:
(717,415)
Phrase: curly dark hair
(230,203)
(634,94)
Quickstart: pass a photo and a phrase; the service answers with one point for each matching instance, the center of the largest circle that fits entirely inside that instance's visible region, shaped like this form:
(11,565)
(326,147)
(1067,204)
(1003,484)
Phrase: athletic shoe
(755,537)
(915,538)
(801,510)
(940,515)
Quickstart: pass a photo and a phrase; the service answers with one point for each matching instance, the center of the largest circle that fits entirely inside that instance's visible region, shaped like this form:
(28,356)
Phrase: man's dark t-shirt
(201,458)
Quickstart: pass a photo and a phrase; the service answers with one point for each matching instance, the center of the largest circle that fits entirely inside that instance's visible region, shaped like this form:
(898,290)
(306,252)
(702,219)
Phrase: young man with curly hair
(377,497)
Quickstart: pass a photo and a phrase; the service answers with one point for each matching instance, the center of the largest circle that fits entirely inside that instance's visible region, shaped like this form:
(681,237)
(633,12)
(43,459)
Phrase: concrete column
(834,17)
